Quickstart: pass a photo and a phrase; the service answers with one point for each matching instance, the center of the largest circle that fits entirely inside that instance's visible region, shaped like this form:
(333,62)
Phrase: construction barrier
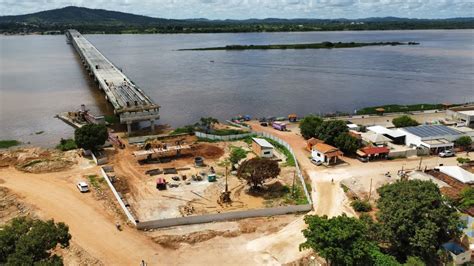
(226,216)
(119,199)
(222,138)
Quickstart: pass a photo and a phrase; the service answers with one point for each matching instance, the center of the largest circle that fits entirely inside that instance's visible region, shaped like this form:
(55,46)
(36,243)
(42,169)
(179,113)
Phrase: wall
(223,216)
(223,138)
(119,199)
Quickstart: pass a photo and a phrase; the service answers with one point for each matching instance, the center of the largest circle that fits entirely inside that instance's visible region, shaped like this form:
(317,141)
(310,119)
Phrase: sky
(243,9)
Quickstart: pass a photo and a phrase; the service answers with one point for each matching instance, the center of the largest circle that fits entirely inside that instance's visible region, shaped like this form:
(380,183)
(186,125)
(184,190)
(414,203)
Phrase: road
(56,196)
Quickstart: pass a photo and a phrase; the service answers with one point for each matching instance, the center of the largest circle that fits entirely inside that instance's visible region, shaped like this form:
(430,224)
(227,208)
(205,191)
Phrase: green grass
(290,160)
(66,145)
(95,182)
(322,45)
(226,132)
(8,143)
(361,205)
(298,197)
(183,130)
(396,108)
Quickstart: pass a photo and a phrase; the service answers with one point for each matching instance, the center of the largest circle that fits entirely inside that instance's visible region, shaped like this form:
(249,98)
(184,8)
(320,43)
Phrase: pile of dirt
(11,206)
(208,151)
(45,165)
(37,160)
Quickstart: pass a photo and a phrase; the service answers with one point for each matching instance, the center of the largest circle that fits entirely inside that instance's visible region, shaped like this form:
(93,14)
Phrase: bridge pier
(129,128)
(152,122)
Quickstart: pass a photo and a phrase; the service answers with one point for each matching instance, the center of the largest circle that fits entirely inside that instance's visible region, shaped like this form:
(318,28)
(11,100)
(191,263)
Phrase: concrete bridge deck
(130,103)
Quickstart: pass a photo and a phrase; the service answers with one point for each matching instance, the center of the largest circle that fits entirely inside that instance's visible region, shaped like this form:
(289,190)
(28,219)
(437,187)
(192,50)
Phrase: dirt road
(328,197)
(55,195)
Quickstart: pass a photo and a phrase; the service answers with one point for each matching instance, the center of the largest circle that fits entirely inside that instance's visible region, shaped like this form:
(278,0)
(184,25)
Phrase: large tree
(465,142)
(308,126)
(414,219)
(343,240)
(257,170)
(404,121)
(329,130)
(31,242)
(91,136)
(347,143)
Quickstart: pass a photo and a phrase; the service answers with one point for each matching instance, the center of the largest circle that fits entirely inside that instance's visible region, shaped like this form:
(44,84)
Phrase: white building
(433,137)
(325,153)
(262,148)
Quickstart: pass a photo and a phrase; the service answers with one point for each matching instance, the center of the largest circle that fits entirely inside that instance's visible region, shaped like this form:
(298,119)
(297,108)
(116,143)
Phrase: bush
(404,121)
(66,145)
(8,143)
(462,160)
(361,205)
(189,129)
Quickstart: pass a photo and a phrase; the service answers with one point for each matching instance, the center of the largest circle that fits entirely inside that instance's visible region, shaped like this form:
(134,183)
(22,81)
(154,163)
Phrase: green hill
(79,16)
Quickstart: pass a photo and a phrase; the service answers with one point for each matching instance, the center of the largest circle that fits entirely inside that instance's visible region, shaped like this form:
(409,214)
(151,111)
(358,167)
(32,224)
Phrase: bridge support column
(152,122)
(129,128)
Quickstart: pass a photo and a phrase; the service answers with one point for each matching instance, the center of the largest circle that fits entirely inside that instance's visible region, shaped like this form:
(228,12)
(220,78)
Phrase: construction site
(181,176)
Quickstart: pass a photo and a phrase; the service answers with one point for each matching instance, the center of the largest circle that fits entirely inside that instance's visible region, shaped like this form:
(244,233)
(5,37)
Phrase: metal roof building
(433,137)
(428,131)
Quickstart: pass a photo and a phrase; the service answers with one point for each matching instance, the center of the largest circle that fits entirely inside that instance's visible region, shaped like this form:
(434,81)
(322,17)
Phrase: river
(41,76)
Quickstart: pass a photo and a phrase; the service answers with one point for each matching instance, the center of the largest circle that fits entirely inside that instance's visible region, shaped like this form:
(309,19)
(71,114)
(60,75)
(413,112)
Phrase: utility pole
(419,166)
(293,186)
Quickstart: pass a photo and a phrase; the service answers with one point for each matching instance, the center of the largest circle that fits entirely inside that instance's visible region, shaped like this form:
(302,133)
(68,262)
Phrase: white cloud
(220,9)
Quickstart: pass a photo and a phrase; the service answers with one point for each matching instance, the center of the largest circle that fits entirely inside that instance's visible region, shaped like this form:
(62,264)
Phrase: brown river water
(41,76)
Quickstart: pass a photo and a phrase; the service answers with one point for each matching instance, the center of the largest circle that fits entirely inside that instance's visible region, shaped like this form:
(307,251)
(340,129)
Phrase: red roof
(375,150)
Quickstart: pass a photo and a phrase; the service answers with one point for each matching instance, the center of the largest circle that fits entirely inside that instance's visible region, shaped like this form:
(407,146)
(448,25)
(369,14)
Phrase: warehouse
(436,138)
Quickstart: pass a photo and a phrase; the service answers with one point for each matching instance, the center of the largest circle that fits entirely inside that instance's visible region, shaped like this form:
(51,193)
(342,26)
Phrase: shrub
(8,143)
(404,121)
(361,205)
(66,145)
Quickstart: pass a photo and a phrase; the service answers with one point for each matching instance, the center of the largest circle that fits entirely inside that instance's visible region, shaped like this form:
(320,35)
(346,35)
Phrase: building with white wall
(436,138)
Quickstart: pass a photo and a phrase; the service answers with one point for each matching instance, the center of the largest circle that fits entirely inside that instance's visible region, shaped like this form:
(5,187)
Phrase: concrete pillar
(129,128)
(152,122)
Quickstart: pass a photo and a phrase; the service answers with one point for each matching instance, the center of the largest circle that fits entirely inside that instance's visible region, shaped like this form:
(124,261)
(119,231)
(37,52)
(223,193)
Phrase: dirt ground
(192,197)
(95,240)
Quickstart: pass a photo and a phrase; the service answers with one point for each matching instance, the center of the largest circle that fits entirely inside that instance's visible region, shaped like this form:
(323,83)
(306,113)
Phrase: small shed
(262,148)
(325,153)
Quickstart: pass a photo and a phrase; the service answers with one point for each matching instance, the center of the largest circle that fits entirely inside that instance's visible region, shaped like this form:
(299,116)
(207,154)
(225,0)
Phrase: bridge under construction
(130,103)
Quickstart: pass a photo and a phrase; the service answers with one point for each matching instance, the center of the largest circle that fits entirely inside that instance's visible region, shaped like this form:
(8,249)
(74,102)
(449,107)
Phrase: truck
(279,126)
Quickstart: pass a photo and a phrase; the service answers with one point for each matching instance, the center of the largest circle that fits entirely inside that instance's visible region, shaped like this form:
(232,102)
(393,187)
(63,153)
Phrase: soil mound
(208,151)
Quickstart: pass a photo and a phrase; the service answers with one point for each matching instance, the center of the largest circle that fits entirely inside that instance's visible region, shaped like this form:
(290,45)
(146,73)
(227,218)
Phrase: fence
(119,199)
(206,218)
(222,138)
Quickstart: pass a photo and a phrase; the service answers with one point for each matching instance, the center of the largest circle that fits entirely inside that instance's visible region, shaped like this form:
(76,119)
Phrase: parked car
(264,124)
(83,187)
(316,162)
(362,159)
(446,153)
